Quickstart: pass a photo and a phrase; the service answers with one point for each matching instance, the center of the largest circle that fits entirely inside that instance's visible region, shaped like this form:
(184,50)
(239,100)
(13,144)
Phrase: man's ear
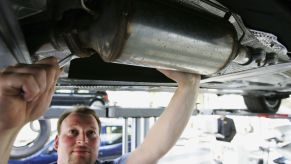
(56,143)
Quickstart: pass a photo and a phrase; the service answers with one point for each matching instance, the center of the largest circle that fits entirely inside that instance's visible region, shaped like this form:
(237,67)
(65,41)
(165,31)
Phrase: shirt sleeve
(122,159)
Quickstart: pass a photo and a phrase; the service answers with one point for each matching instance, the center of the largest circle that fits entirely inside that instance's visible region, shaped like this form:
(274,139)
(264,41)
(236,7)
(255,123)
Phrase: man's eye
(73,132)
(91,133)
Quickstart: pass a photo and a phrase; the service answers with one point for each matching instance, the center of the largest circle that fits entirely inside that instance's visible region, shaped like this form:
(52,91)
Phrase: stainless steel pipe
(157,34)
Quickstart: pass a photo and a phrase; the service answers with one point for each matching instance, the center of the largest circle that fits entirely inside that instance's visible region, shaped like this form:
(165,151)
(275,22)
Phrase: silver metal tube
(146,126)
(125,136)
(177,40)
(138,136)
(161,35)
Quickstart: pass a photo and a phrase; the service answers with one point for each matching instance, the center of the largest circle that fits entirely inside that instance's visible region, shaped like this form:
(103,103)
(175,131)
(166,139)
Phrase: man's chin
(80,159)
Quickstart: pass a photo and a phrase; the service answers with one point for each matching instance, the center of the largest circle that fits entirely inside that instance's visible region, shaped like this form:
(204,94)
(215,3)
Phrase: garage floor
(199,146)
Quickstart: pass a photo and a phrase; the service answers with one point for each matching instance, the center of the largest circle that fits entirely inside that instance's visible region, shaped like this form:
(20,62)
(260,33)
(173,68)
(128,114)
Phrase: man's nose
(82,138)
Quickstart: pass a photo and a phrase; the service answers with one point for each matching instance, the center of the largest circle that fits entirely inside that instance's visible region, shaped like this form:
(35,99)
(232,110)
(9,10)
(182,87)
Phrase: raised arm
(166,131)
(25,94)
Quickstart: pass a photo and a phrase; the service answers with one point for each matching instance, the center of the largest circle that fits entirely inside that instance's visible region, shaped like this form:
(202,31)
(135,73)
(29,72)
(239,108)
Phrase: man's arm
(233,130)
(25,94)
(166,131)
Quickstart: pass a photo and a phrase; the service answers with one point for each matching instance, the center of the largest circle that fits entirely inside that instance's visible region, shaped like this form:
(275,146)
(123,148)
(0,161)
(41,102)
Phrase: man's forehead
(80,119)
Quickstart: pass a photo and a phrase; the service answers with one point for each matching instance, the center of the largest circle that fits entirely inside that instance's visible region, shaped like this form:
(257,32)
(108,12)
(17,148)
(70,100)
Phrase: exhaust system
(153,33)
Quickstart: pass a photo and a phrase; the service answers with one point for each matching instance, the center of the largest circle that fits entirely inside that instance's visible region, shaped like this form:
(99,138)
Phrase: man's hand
(218,135)
(182,78)
(26,92)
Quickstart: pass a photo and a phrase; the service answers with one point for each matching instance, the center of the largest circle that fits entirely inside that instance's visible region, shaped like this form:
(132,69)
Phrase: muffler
(161,34)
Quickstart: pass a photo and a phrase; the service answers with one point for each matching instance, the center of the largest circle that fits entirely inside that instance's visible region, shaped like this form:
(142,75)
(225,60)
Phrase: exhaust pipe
(157,34)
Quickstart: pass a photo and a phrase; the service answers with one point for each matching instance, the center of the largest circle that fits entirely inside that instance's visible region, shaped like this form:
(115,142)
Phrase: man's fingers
(174,75)
(37,71)
(53,71)
(181,77)
(30,87)
(19,85)
(42,75)
(49,61)
(46,71)
(168,73)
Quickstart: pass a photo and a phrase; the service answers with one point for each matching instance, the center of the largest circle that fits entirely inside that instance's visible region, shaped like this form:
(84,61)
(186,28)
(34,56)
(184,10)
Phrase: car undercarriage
(237,46)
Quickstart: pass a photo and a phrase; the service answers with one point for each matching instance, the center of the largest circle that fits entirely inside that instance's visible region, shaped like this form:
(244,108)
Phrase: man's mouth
(81,151)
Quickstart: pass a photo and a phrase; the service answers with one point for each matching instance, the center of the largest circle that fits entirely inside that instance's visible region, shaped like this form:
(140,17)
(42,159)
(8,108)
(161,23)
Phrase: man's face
(222,117)
(78,141)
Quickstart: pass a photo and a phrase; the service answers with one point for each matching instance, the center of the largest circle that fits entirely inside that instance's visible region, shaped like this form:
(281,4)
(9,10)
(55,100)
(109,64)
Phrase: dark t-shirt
(120,160)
